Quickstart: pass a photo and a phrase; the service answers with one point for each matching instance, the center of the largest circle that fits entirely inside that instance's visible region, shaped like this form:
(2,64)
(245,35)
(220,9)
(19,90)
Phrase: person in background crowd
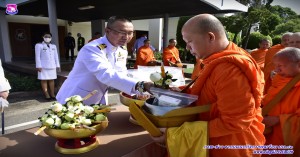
(47,64)
(69,45)
(260,53)
(80,41)
(145,55)
(295,40)
(269,67)
(140,42)
(171,55)
(4,84)
(283,118)
(96,36)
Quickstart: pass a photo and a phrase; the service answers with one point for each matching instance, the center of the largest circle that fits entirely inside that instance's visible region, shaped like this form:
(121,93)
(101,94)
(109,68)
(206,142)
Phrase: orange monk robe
(269,65)
(232,83)
(259,56)
(287,132)
(197,68)
(168,56)
(144,55)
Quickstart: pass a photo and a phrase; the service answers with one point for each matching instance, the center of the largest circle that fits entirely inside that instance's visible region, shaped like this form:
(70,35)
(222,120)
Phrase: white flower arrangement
(162,80)
(73,114)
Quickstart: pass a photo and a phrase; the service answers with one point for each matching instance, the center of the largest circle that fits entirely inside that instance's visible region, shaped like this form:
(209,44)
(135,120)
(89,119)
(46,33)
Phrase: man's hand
(4,94)
(147,86)
(270,121)
(160,139)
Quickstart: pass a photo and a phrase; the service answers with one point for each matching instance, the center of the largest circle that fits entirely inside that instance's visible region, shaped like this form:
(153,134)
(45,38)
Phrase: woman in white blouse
(46,59)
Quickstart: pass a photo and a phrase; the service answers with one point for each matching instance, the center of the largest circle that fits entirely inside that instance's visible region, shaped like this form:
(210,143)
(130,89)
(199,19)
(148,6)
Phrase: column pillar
(5,47)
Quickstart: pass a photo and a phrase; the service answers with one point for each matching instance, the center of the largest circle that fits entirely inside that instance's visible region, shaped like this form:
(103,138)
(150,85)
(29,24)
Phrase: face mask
(47,40)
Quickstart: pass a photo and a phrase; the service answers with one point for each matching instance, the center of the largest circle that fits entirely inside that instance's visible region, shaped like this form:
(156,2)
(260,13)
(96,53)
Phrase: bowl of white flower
(162,80)
(74,125)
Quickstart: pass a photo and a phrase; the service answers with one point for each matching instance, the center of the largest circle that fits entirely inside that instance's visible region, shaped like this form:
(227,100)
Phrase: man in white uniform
(101,64)
(4,84)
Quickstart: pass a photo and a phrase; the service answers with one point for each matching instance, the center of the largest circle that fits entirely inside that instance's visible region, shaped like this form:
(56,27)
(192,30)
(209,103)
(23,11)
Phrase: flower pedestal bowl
(76,141)
(127,100)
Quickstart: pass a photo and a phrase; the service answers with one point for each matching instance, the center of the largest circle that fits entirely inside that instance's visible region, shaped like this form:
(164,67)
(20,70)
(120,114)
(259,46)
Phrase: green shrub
(21,82)
(254,40)
(277,40)
(158,55)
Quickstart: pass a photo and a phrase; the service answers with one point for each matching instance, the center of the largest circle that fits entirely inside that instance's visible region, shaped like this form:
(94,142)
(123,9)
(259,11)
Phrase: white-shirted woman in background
(46,59)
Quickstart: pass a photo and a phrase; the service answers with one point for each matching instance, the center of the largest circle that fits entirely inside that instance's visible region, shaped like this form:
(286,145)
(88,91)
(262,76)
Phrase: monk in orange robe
(284,117)
(259,54)
(269,67)
(145,55)
(231,82)
(295,40)
(171,55)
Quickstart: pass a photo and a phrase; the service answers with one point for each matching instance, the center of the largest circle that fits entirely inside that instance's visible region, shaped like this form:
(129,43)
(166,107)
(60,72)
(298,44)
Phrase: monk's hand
(270,121)
(175,89)
(160,139)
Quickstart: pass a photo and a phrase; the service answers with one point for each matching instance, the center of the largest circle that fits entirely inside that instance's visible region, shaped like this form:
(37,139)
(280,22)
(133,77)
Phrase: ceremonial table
(119,138)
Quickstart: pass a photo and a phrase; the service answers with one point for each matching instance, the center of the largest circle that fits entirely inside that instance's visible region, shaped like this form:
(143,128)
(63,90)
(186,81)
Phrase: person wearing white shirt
(46,59)
(4,84)
(101,64)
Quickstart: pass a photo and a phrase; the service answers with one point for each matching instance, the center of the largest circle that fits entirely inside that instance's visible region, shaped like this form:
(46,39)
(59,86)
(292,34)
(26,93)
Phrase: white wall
(173,22)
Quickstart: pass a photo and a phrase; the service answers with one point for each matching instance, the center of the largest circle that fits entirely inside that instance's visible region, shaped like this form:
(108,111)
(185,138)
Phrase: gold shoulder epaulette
(101,46)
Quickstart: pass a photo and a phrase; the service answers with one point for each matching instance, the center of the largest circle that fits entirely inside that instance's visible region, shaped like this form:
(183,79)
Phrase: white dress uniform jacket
(4,84)
(98,66)
(46,57)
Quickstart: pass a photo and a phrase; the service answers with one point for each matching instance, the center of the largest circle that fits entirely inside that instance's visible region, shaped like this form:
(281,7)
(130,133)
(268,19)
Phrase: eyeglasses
(122,33)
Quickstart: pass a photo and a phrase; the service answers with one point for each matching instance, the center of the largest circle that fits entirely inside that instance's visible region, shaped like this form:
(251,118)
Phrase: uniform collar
(110,48)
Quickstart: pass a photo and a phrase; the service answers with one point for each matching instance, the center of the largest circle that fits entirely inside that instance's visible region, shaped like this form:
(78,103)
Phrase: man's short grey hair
(113,19)
(290,53)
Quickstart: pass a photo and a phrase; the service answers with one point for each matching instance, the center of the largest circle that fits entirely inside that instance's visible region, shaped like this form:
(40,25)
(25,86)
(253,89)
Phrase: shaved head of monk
(204,35)
(294,40)
(285,39)
(287,62)
(264,44)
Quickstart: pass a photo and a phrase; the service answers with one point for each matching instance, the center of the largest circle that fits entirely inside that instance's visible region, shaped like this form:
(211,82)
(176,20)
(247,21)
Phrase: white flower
(69,116)
(68,99)
(48,122)
(44,117)
(155,77)
(65,126)
(76,98)
(169,75)
(86,121)
(88,109)
(99,117)
(96,107)
(56,107)
(70,103)
(159,82)
(168,81)
(57,121)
